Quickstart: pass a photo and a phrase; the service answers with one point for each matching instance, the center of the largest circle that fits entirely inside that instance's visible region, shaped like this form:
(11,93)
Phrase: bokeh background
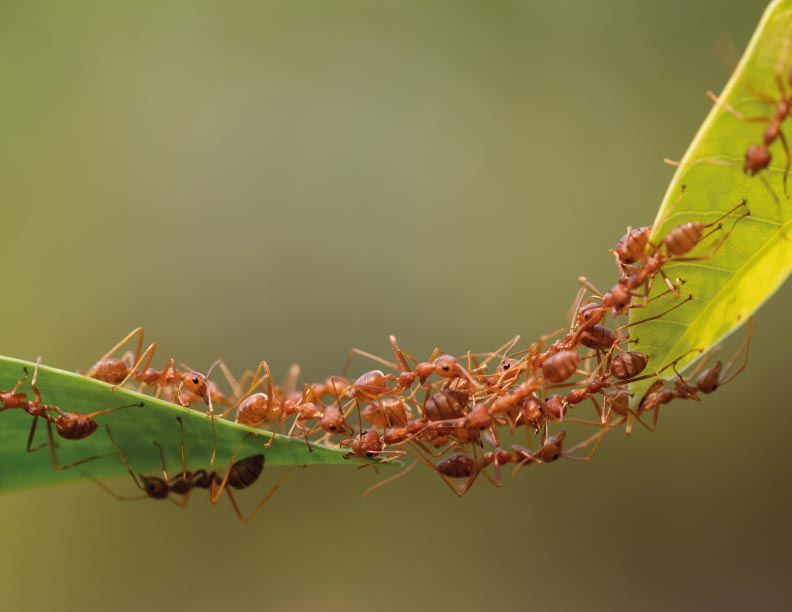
(287,180)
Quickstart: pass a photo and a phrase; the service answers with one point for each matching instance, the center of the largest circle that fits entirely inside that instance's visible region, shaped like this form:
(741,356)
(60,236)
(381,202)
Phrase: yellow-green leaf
(757,257)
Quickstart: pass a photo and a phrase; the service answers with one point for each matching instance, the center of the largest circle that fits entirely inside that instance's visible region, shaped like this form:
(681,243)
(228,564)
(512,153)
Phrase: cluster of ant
(439,407)
(442,407)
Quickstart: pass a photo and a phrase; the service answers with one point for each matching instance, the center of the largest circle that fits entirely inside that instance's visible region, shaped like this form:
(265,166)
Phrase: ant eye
(195,380)
(332,428)
(506,366)
(446,368)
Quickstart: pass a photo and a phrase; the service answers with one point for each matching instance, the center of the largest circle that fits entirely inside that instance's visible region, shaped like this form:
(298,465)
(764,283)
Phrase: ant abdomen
(559,367)
(709,381)
(598,337)
(246,471)
(757,157)
(683,239)
(629,364)
(112,371)
(632,245)
(75,425)
(255,410)
(457,466)
(445,405)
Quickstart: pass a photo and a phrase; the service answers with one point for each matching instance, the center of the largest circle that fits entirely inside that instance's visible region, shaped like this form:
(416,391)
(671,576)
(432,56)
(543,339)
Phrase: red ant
(258,408)
(709,380)
(464,466)
(239,475)
(758,157)
(367,445)
(372,384)
(552,449)
(70,425)
(118,371)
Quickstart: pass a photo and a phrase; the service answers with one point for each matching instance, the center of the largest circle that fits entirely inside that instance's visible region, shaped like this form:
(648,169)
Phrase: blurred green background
(287,180)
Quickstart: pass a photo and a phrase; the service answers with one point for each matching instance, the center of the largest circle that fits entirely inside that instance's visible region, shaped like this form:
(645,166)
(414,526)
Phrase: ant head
(710,379)
(446,366)
(502,457)
(457,466)
(368,443)
(512,366)
(551,449)
(555,407)
(332,420)
(156,488)
(196,383)
(757,157)
(479,417)
(618,298)
(589,315)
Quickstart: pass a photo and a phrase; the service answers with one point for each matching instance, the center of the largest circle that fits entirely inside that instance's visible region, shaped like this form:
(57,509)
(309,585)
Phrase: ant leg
(245,520)
(290,384)
(596,438)
(147,356)
(109,491)
(734,112)
(782,62)
(106,410)
(215,495)
(232,382)
(786,166)
(367,355)
(162,460)
(32,434)
(657,316)
(586,284)
(20,381)
(137,331)
(183,502)
(33,381)
(183,462)
(575,307)
(390,478)
(746,346)
(123,459)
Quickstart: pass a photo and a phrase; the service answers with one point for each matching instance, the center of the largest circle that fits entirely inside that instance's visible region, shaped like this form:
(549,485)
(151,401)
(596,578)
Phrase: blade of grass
(135,429)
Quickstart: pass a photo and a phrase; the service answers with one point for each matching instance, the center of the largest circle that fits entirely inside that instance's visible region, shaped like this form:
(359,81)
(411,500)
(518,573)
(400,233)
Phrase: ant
(70,425)
(239,475)
(758,157)
(371,385)
(118,371)
(258,408)
(552,449)
(710,379)
(464,466)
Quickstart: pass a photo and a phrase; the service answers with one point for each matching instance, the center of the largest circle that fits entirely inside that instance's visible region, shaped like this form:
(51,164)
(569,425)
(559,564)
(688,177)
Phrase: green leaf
(757,257)
(135,429)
